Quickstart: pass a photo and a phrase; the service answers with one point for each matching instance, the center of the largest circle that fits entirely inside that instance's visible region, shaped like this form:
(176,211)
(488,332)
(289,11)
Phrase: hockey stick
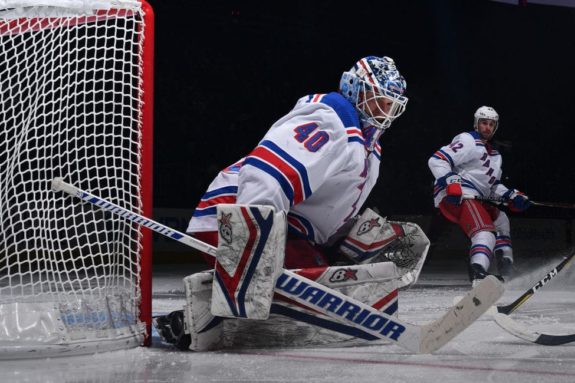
(501,313)
(495,200)
(420,339)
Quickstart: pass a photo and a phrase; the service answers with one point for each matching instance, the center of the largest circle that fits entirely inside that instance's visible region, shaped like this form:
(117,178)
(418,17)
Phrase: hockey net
(75,102)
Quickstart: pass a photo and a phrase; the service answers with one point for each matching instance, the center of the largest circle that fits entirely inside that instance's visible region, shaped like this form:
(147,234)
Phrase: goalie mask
(375,87)
(486,113)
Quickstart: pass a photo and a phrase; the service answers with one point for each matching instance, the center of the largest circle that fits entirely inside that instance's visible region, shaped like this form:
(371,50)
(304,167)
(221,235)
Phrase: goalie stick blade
(57,184)
(476,302)
(508,324)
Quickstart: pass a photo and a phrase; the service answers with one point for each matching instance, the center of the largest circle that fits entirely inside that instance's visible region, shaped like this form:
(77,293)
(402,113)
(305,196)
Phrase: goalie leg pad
(370,234)
(205,330)
(249,259)
(293,325)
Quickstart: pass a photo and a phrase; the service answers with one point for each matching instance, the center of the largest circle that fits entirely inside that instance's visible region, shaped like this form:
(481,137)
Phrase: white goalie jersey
(312,164)
(478,164)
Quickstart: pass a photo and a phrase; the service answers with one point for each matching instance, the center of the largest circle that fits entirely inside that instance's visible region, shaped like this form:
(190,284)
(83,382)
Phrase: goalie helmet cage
(76,102)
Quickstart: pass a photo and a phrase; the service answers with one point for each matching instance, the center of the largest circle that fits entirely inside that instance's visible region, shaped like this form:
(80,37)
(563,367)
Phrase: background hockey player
(318,163)
(470,165)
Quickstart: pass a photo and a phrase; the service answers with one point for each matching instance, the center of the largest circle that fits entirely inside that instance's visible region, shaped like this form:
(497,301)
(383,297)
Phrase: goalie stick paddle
(560,205)
(420,339)
(502,318)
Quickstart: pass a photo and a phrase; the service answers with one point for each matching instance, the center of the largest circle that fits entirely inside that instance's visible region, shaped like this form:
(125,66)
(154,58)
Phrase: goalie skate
(171,329)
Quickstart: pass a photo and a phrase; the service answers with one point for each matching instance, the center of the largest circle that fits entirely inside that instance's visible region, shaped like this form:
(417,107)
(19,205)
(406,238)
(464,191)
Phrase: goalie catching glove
(370,234)
(516,201)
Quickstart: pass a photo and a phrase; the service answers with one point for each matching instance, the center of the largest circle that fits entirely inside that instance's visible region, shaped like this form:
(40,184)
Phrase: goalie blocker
(249,259)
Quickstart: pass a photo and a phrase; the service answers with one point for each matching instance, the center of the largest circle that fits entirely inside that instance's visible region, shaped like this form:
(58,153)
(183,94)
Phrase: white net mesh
(70,106)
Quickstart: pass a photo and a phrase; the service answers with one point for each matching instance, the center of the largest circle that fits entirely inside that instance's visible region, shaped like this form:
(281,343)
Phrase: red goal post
(76,101)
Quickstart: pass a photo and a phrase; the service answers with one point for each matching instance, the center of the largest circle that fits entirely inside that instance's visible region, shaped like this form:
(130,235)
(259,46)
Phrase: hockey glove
(368,237)
(516,201)
(452,183)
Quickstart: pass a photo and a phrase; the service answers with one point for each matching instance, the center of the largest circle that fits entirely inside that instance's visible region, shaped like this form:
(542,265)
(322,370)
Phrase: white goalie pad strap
(249,259)
(205,330)
(370,234)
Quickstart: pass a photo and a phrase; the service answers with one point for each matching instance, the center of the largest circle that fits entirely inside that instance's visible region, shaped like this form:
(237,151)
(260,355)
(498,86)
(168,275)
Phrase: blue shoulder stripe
(343,108)
(356,139)
(220,191)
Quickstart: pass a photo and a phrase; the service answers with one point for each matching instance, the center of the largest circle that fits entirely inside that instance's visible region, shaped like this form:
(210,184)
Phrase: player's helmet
(373,78)
(486,113)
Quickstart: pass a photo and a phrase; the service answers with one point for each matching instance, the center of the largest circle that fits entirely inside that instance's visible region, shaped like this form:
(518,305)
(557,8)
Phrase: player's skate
(193,328)
(504,264)
(478,273)
(171,329)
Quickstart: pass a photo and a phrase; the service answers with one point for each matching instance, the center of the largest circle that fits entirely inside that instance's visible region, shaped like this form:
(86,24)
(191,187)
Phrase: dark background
(226,70)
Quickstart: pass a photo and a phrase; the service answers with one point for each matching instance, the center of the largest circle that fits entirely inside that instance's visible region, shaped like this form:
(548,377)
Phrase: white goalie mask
(486,113)
(369,86)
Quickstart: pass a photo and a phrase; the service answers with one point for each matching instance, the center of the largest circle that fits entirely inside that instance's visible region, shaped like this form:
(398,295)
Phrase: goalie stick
(416,338)
(495,200)
(502,318)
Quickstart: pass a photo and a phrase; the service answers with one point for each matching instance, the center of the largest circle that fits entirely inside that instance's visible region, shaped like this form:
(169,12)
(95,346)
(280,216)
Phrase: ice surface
(482,353)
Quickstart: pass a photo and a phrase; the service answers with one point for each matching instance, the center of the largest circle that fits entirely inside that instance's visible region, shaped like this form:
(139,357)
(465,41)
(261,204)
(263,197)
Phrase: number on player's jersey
(312,142)
(456,146)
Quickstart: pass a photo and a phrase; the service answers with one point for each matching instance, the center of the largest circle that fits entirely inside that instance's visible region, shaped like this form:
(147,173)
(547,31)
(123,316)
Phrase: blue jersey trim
(293,162)
(208,211)
(475,135)
(306,224)
(220,191)
(284,183)
(356,139)
(343,108)
(448,157)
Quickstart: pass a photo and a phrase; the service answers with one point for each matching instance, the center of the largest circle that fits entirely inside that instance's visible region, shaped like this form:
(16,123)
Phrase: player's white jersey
(312,163)
(478,164)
